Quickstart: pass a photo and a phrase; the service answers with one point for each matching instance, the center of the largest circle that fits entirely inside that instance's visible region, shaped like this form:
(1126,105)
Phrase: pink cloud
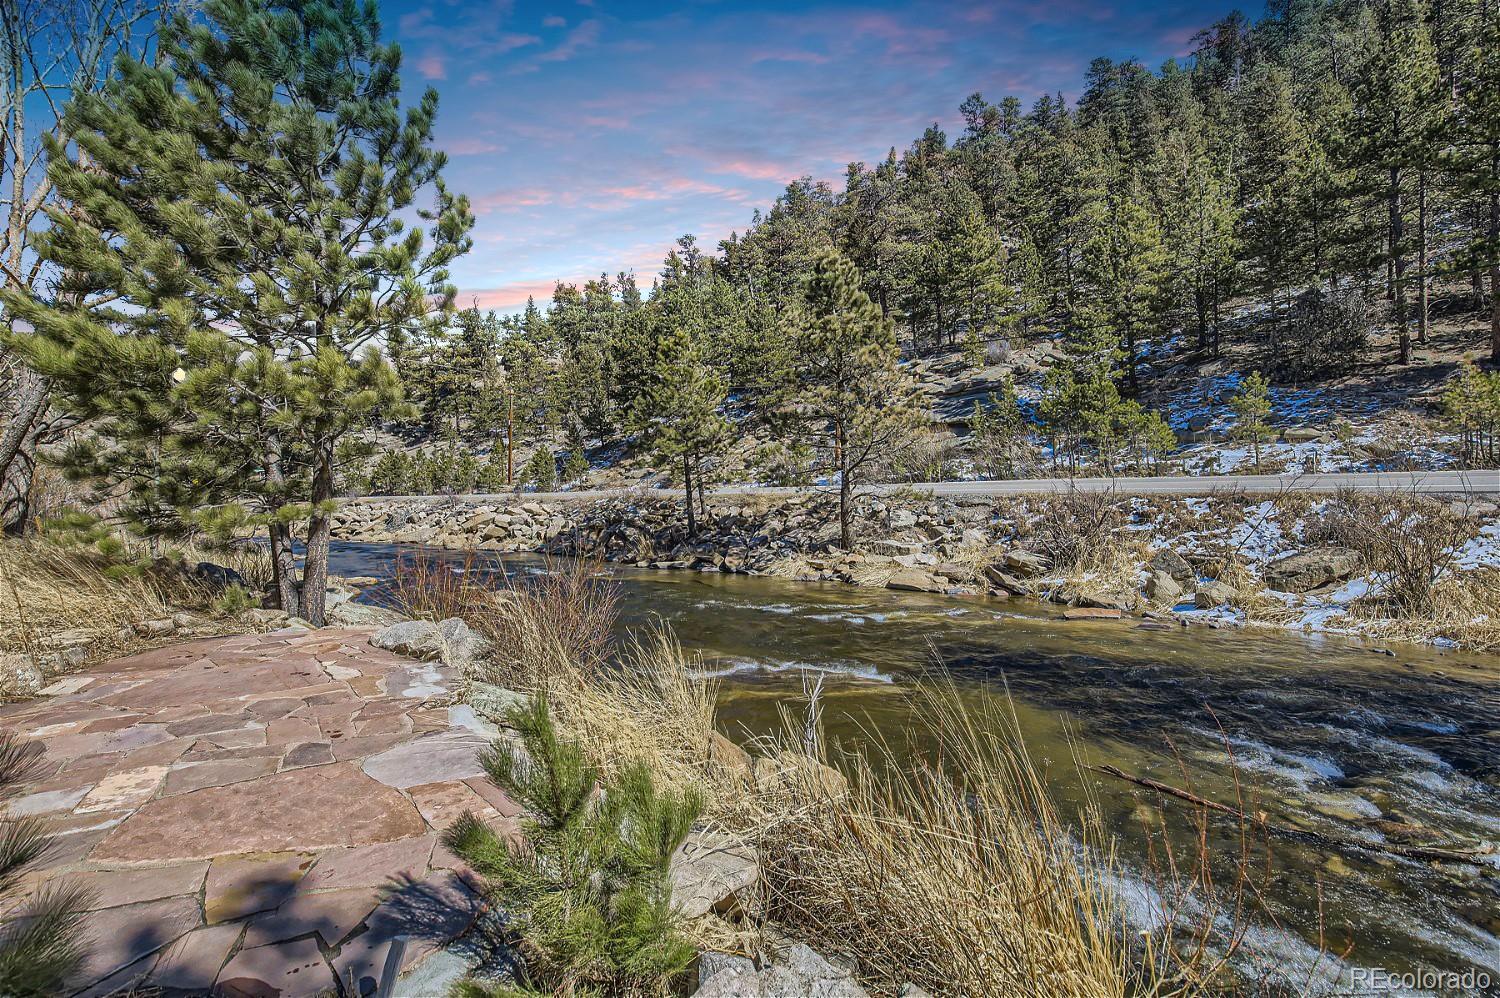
(554,21)
(513,198)
(471,147)
(789,55)
(433,67)
(585,35)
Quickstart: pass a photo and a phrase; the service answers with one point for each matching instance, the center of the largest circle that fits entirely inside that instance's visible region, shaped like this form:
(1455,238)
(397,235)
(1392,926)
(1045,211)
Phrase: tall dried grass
(48,589)
(959,875)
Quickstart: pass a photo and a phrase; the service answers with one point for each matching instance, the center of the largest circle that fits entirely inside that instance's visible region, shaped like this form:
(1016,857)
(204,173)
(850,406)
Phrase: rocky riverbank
(1221,561)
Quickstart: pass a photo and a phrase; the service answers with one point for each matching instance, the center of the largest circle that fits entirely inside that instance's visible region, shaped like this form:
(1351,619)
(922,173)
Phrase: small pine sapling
(587,887)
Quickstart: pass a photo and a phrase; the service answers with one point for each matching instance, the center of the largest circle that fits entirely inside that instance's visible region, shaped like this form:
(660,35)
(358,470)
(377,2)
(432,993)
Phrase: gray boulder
(19,676)
(712,871)
(1005,581)
(914,580)
(1162,588)
(352,614)
(1169,561)
(796,970)
(449,641)
(1026,563)
(494,702)
(1297,573)
(1213,594)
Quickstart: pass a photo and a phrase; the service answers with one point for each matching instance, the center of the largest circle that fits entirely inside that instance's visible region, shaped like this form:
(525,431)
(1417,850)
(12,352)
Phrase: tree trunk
(1398,270)
(284,570)
(16,442)
(319,533)
(510,442)
(687,490)
(1495,270)
(1423,284)
(846,534)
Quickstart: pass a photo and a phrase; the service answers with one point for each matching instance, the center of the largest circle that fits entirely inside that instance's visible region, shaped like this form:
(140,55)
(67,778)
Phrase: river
(1327,734)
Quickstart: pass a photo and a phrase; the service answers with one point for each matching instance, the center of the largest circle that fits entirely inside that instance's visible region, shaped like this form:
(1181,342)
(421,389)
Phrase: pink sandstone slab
(430,913)
(123,790)
(378,865)
(281,971)
(330,914)
(314,808)
(114,888)
(237,886)
(118,937)
(192,963)
(442,803)
(187,777)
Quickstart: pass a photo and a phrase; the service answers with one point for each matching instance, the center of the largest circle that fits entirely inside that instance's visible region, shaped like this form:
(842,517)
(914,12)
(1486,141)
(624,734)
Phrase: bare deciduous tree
(49,51)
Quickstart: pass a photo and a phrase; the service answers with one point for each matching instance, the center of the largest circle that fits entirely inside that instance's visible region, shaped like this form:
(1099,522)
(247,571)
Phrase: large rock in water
(914,580)
(449,641)
(1297,573)
(797,970)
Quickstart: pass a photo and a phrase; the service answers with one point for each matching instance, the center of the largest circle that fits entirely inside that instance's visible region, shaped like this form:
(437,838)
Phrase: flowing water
(1326,734)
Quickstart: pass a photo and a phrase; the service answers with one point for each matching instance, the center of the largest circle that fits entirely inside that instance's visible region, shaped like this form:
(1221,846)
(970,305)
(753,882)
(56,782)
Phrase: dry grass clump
(652,705)
(48,589)
(958,875)
(1071,526)
(1109,574)
(1465,610)
(1410,543)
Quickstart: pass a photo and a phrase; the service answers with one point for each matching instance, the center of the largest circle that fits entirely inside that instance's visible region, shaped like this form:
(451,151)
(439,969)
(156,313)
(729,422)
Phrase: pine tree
(1392,130)
(540,470)
(1252,406)
(242,221)
(678,412)
(1474,156)
(856,400)
(588,893)
(1125,266)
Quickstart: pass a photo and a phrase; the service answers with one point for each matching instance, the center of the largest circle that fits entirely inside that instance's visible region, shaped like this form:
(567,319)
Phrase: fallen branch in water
(1436,853)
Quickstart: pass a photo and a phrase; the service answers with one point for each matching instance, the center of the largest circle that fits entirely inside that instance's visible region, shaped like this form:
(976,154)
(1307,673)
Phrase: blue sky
(589,135)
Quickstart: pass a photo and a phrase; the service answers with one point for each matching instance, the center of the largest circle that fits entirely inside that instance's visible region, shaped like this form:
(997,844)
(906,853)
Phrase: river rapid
(1326,734)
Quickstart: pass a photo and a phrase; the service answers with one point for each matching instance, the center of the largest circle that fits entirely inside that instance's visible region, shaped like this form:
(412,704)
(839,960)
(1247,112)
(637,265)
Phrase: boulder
(914,580)
(1005,581)
(799,774)
(450,641)
(713,871)
(495,702)
(1213,594)
(796,970)
(1298,573)
(19,676)
(352,614)
(1173,564)
(1302,434)
(1162,588)
(218,577)
(155,628)
(725,757)
(1026,563)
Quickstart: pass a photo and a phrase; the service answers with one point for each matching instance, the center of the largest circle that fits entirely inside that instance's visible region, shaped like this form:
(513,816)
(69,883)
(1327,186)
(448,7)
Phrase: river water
(1326,734)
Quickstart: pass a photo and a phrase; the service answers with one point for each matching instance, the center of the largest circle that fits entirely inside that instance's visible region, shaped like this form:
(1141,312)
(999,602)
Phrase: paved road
(1424,482)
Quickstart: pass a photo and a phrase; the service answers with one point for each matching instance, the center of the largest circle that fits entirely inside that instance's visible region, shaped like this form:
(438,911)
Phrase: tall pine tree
(235,251)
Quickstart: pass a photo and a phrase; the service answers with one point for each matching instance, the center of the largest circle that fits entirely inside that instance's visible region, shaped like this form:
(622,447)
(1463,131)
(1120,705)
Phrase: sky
(590,134)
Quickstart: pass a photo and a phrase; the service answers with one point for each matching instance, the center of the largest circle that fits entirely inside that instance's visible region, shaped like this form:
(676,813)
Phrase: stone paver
(257,813)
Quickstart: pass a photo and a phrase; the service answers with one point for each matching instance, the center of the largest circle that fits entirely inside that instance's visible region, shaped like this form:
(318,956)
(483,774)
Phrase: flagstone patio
(259,814)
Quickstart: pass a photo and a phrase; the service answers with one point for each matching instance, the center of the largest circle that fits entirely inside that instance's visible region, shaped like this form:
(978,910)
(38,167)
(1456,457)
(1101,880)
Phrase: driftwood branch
(1441,854)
